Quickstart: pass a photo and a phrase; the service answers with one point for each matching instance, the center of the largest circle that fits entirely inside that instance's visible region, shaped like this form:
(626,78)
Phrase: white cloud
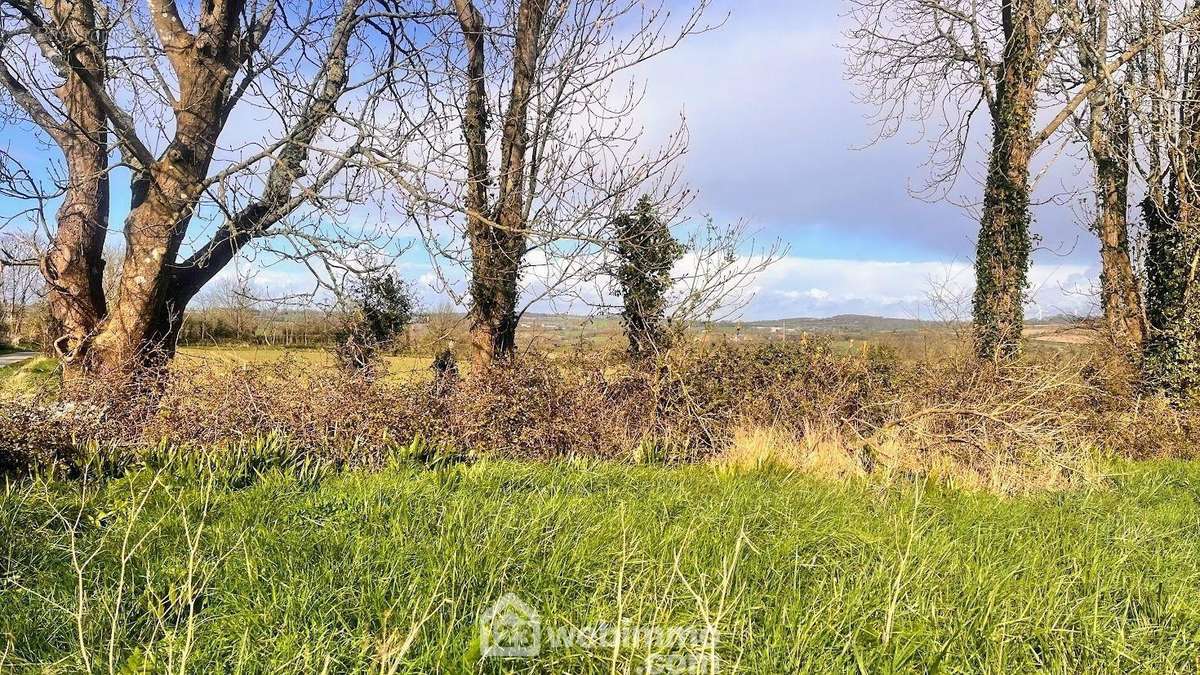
(925,290)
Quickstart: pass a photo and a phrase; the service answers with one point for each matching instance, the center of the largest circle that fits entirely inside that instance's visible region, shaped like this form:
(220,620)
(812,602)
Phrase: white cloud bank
(922,290)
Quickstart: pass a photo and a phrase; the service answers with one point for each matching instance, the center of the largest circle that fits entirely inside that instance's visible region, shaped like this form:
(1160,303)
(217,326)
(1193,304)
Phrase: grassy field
(407,367)
(254,568)
(569,334)
(34,374)
(40,371)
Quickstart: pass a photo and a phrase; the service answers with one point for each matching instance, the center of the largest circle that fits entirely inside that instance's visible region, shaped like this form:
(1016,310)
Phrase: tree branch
(1109,68)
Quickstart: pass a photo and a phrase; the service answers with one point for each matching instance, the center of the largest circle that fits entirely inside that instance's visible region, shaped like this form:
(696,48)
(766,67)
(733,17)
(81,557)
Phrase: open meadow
(256,566)
(273,514)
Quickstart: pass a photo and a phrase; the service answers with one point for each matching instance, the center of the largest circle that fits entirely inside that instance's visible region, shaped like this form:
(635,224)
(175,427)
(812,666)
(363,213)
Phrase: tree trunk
(1003,248)
(494,292)
(1171,363)
(1120,296)
(1109,142)
(497,236)
(1172,356)
(74,265)
(142,326)
(1169,360)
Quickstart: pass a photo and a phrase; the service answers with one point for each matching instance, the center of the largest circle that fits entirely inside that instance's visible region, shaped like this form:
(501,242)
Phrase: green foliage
(647,251)
(1004,245)
(1172,358)
(207,570)
(381,308)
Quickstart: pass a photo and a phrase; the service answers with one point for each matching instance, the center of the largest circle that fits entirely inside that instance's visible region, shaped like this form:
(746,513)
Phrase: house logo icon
(510,628)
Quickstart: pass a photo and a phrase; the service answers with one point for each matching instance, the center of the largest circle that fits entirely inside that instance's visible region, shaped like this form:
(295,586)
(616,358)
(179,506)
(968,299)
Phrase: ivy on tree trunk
(1004,245)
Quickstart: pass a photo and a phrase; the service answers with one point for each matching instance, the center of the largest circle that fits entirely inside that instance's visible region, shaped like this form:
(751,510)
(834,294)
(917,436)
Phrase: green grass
(32,375)
(283,570)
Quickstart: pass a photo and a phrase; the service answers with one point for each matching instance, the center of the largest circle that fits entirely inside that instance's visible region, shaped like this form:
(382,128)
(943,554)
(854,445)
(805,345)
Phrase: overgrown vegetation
(291,516)
(267,563)
(380,309)
(1036,423)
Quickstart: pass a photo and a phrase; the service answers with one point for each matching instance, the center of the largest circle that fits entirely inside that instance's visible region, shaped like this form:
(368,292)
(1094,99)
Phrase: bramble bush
(868,406)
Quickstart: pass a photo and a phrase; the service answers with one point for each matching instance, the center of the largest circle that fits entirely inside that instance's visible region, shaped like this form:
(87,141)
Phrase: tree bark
(1167,354)
(497,235)
(73,265)
(1120,296)
(1109,142)
(142,326)
(1172,357)
(1004,245)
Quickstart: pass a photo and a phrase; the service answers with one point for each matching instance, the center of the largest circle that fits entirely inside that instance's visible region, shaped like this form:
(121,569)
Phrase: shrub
(866,407)
(646,251)
(381,308)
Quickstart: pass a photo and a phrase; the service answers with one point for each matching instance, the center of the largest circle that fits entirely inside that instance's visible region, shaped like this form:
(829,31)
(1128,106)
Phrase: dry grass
(889,456)
(804,405)
(399,368)
(818,453)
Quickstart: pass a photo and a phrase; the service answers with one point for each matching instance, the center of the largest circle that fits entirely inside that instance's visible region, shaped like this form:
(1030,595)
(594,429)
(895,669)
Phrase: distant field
(398,366)
(19,378)
(908,343)
(255,569)
(1061,334)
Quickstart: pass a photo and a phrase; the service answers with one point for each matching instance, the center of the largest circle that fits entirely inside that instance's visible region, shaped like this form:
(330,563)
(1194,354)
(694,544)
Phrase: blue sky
(776,139)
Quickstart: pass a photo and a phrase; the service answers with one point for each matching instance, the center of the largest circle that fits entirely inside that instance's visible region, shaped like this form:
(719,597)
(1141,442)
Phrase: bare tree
(238,299)
(20,286)
(1108,134)
(525,206)
(920,59)
(1166,93)
(160,84)
(496,229)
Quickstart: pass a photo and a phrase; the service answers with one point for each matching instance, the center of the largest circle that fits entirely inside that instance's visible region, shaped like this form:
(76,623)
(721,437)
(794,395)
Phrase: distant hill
(1059,320)
(842,323)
